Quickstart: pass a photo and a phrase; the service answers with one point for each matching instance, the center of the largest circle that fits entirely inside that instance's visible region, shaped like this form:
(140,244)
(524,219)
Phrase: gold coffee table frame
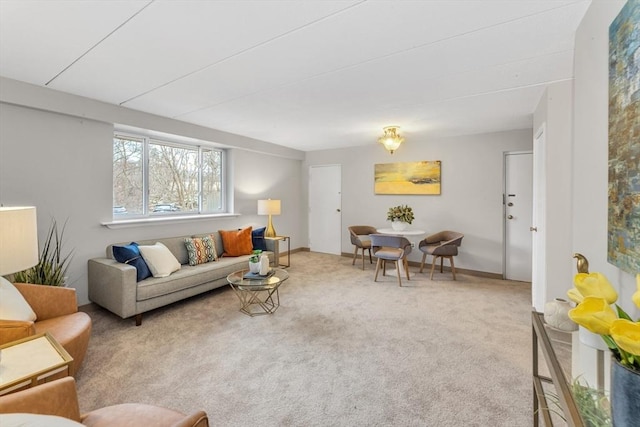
(30,361)
(257,296)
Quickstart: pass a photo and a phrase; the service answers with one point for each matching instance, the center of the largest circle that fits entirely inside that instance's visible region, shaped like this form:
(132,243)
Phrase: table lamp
(18,239)
(269,207)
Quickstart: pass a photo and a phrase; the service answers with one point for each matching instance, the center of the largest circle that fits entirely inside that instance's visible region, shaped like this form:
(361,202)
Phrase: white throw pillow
(35,420)
(13,306)
(160,260)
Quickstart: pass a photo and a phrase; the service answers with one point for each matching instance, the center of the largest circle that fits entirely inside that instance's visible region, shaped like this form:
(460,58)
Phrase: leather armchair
(57,312)
(441,245)
(60,398)
(359,237)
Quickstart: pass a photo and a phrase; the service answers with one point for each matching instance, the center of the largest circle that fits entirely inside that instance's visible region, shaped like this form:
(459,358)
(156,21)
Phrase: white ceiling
(303,74)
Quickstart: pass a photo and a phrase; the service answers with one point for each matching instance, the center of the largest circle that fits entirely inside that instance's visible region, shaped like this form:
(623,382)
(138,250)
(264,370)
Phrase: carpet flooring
(342,350)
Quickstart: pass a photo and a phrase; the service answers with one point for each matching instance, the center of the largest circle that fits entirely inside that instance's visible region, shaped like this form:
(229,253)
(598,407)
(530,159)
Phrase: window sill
(141,222)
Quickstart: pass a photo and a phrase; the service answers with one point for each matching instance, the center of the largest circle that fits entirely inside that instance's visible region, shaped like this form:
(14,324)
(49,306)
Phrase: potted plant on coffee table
(254,261)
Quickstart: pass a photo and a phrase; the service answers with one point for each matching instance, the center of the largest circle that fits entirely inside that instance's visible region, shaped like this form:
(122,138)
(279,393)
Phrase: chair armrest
(12,330)
(197,419)
(57,397)
(49,301)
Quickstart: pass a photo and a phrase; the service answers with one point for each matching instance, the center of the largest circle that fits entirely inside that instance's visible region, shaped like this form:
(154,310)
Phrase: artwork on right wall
(623,236)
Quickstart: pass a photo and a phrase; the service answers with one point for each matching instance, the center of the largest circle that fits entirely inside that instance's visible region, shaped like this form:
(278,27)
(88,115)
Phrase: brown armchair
(441,245)
(57,312)
(360,239)
(60,398)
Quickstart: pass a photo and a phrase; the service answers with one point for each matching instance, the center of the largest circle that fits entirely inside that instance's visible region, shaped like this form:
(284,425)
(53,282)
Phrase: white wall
(471,199)
(555,112)
(62,164)
(590,165)
(590,156)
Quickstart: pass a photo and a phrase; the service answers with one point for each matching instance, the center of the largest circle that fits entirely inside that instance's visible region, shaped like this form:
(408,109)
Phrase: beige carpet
(342,350)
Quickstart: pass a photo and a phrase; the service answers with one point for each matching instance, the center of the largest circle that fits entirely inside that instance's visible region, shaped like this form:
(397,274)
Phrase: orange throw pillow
(237,242)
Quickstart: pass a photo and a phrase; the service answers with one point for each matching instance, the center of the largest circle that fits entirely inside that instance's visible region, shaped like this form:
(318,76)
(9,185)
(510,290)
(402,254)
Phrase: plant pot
(399,225)
(254,267)
(625,392)
(592,340)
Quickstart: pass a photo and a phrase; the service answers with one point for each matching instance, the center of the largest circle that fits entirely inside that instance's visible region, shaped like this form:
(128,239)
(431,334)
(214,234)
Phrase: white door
(518,211)
(539,279)
(325,205)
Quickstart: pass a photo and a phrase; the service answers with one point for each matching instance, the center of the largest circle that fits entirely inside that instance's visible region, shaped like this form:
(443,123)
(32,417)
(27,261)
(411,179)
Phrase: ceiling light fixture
(391,138)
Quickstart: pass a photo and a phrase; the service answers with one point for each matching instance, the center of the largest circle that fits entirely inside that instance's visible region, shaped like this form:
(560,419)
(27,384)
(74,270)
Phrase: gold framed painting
(407,177)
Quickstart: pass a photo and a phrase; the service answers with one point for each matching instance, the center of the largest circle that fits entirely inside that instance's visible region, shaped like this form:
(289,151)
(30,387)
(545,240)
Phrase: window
(152,177)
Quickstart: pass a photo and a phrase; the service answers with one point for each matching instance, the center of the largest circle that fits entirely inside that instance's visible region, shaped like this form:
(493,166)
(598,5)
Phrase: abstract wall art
(623,234)
(407,178)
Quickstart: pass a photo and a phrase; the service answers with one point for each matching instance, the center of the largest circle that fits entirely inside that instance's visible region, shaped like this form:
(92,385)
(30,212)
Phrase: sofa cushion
(257,239)
(201,250)
(13,306)
(237,242)
(160,260)
(130,254)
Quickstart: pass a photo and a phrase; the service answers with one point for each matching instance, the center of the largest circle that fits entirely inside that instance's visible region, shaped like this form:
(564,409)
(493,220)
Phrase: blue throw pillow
(130,254)
(257,239)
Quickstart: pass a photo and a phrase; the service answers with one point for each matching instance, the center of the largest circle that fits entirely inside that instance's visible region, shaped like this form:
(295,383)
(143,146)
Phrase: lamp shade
(268,207)
(18,239)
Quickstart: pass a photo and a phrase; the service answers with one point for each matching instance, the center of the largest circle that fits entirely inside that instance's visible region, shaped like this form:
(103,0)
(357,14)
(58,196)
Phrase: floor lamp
(18,240)
(269,207)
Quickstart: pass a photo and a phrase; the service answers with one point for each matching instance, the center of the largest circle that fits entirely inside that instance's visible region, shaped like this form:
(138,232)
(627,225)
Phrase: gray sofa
(113,285)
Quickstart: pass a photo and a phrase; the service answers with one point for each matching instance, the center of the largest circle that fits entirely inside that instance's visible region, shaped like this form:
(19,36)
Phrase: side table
(30,361)
(276,241)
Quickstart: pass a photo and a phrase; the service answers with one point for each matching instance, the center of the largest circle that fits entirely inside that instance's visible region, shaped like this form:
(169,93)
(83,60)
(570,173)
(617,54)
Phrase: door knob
(509,216)
(533,228)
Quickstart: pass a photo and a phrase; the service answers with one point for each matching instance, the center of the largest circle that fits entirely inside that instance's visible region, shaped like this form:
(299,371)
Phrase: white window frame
(147,216)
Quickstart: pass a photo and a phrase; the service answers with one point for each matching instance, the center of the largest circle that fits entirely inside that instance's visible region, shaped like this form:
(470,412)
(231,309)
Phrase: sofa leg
(138,319)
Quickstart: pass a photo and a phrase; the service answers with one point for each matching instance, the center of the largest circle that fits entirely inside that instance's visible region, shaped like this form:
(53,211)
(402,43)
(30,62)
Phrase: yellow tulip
(595,314)
(595,285)
(575,295)
(627,335)
(636,297)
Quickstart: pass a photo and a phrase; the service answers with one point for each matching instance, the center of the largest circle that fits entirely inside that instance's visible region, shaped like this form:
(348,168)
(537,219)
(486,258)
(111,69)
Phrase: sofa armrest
(49,301)
(12,330)
(57,397)
(113,285)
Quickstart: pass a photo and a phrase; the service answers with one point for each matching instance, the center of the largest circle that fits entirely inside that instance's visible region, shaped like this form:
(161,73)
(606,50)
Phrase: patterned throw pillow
(201,250)
(237,242)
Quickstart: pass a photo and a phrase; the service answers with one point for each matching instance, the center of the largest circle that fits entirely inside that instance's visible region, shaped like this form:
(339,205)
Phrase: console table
(542,343)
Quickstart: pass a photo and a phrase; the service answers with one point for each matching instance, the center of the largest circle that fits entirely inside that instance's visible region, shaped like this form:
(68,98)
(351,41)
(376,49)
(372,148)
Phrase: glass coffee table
(260,295)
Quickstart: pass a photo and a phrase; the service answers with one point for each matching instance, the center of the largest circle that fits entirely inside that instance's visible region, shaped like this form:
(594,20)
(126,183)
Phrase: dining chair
(441,245)
(360,238)
(391,248)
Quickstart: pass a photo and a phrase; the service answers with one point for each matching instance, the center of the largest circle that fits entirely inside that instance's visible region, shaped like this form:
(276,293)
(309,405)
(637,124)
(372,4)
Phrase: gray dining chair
(441,245)
(391,248)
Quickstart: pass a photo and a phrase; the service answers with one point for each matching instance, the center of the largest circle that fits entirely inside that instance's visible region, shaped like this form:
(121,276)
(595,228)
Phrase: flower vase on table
(400,216)
(399,225)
